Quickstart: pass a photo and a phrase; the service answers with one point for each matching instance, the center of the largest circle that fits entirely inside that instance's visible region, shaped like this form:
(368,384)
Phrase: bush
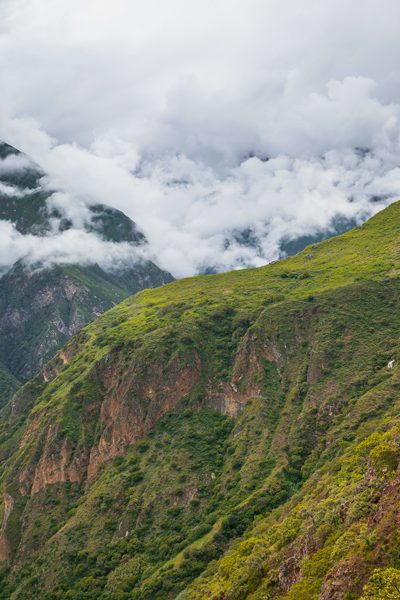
(384,584)
(385,458)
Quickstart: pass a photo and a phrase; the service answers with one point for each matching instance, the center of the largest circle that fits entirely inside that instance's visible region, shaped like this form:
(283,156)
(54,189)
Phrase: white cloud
(10,190)
(71,207)
(73,246)
(168,110)
(14,163)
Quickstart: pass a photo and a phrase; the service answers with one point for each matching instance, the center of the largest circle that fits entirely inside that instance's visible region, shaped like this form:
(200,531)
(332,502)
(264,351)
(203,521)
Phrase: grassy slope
(288,500)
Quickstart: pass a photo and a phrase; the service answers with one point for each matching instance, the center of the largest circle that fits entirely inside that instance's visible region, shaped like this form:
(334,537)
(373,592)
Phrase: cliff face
(8,385)
(230,436)
(40,309)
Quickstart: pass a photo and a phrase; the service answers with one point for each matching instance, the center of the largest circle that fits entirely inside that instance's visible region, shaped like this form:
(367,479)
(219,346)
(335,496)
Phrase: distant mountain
(24,202)
(8,385)
(40,308)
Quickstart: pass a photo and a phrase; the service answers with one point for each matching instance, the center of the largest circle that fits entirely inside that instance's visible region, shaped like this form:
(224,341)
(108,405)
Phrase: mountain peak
(7,150)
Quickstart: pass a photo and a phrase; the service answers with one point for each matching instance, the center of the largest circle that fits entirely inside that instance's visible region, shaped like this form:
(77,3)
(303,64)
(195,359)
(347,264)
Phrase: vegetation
(230,437)
(8,385)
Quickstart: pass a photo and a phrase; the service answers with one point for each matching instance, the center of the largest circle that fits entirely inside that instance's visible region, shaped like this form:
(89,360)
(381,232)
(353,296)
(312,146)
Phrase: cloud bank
(74,246)
(79,244)
(201,120)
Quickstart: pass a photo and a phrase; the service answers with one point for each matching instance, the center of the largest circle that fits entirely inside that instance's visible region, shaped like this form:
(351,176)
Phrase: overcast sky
(169,110)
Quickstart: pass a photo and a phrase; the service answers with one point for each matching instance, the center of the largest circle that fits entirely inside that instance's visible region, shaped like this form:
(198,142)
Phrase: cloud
(15,163)
(73,246)
(10,190)
(70,207)
(203,119)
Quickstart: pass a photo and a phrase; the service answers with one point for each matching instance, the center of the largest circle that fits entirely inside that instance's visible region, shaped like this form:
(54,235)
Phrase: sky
(201,120)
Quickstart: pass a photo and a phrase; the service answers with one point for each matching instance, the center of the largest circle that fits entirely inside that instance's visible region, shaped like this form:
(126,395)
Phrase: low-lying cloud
(74,246)
(204,121)
(14,163)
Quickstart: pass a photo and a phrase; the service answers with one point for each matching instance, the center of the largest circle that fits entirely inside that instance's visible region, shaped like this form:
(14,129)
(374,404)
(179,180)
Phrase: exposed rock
(57,463)
(4,545)
(125,417)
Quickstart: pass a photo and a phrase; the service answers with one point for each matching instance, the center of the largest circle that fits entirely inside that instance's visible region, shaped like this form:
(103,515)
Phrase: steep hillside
(42,306)
(228,436)
(8,385)
(40,309)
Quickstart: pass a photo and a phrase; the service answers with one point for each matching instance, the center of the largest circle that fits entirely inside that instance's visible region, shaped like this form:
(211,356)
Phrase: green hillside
(223,437)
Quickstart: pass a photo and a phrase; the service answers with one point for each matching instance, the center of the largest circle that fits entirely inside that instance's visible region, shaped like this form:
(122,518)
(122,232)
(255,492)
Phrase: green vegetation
(8,385)
(383,585)
(229,437)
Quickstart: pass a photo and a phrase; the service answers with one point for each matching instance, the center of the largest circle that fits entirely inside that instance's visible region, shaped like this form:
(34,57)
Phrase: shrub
(384,584)
(385,458)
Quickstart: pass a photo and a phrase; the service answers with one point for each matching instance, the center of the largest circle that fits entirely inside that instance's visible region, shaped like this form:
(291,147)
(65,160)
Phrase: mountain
(42,306)
(24,202)
(8,385)
(231,436)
